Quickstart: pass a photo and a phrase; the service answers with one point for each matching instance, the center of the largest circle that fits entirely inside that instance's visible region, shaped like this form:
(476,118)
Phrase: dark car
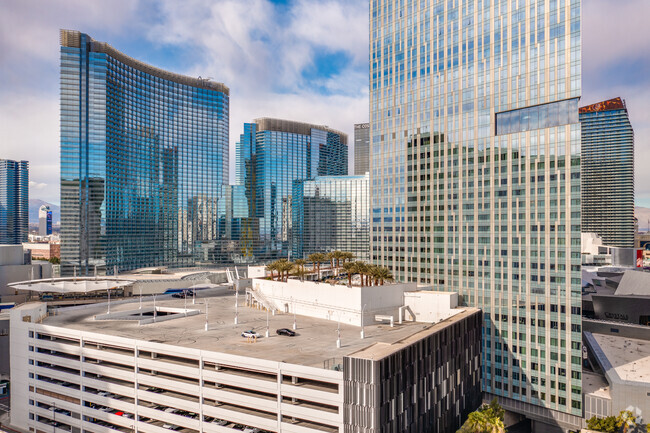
(184,294)
(285,331)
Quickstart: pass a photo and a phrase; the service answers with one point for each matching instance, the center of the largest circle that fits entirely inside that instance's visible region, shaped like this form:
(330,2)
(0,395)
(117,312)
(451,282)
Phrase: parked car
(285,331)
(250,334)
(218,421)
(251,430)
(184,294)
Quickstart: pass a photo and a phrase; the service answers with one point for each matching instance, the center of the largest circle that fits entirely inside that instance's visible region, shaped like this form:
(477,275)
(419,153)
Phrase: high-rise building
(14,201)
(144,161)
(271,155)
(608,172)
(475,179)
(361,148)
(44,221)
(331,213)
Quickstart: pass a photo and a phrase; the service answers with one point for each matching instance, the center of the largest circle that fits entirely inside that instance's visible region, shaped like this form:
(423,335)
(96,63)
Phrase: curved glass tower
(144,161)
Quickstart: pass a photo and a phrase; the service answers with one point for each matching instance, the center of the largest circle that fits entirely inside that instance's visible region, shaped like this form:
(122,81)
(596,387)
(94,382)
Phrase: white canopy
(204,286)
(71,285)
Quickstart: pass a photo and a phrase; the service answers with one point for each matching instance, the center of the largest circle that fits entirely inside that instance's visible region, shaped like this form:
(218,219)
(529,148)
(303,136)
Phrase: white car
(251,430)
(250,334)
(218,421)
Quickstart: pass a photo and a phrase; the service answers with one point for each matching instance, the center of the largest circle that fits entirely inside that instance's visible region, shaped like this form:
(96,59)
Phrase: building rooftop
(623,359)
(383,349)
(283,125)
(595,384)
(314,345)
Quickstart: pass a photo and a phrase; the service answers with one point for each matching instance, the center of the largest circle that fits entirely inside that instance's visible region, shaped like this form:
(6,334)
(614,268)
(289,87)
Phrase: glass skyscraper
(331,213)
(14,201)
(361,148)
(144,161)
(475,179)
(608,172)
(271,155)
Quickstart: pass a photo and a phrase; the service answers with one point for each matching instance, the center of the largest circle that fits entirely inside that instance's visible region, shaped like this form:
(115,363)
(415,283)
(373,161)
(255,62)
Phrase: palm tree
(347,256)
(317,259)
(299,271)
(362,269)
(383,274)
(300,263)
(330,257)
(350,268)
(271,267)
(487,419)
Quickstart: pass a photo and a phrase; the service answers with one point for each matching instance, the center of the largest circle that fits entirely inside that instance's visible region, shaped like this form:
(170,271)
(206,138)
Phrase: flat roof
(595,384)
(382,349)
(314,344)
(622,358)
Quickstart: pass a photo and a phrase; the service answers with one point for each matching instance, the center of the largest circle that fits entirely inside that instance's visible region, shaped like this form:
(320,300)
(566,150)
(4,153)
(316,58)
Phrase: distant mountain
(35,204)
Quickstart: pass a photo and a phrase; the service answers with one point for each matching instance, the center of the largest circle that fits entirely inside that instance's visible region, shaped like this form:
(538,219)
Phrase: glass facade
(608,173)
(331,213)
(491,214)
(144,162)
(271,155)
(14,201)
(361,148)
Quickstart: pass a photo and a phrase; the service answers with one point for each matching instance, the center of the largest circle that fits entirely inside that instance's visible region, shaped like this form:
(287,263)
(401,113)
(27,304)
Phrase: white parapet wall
(431,307)
(334,302)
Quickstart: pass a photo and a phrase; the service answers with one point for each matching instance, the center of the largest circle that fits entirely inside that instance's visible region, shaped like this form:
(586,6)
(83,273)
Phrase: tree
(347,256)
(486,419)
(300,263)
(284,267)
(626,419)
(361,268)
(55,260)
(350,268)
(605,425)
(272,267)
(299,271)
(317,259)
(383,274)
(330,257)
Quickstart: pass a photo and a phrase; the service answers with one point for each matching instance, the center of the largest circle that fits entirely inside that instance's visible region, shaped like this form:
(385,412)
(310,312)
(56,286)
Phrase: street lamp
(363,335)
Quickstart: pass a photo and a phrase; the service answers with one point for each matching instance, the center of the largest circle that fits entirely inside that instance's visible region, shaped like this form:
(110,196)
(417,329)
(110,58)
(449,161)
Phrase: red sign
(639,258)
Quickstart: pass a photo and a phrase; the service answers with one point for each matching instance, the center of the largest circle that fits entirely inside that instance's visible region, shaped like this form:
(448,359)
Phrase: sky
(304,60)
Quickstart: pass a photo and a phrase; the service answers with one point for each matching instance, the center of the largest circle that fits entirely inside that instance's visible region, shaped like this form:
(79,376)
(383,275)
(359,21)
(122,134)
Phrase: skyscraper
(44,221)
(476,179)
(361,148)
(331,213)
(608,172)
(271,155)
(14,201)
(144,161)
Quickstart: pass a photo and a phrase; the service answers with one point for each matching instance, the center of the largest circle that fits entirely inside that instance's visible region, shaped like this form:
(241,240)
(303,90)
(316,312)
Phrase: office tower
(608,172)
(14,201)
(361,148)
(476,180)
(271,155)
(331,213)
(44,221)
(144,161)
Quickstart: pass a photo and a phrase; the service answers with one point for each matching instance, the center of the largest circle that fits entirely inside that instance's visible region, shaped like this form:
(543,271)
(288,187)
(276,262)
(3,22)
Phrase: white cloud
(36,185)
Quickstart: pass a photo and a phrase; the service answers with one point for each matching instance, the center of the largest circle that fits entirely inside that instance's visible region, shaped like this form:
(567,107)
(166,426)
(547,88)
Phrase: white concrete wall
(137,366)
(256,271)
(334,302)
(11,255)
(19,361)
(431,307)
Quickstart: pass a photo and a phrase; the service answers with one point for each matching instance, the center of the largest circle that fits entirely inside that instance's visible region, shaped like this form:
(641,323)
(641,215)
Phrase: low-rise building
(176,364)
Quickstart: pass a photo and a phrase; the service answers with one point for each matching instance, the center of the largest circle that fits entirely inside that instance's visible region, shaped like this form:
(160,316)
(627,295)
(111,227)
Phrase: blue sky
(305,60)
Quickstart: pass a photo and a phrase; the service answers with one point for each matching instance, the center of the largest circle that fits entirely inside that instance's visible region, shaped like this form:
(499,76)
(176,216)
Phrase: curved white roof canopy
(71,285)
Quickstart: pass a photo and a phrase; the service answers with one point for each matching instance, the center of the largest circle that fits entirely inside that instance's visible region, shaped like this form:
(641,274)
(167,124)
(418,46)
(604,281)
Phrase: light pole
(293,307)
(267,323)
(141,297)
(154,308)
(338,333)
(236,304)
(206,314)
(363,335)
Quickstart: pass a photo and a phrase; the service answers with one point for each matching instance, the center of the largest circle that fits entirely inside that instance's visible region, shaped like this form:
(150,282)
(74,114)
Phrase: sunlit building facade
(331,213)
(144,161)
(608,172)
(475,180)
(14,201)
(271,155)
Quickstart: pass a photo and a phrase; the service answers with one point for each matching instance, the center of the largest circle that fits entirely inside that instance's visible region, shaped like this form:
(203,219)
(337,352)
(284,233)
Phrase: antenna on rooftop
(206,314)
